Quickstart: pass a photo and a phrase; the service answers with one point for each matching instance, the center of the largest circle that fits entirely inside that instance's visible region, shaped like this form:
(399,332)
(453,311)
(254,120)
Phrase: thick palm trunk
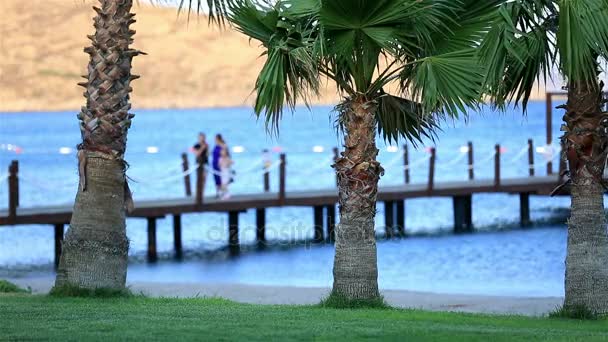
(95,250)
(355,263)
(586,145)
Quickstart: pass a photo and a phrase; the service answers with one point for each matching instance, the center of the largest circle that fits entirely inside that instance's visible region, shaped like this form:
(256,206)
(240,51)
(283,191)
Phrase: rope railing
(318,167)
(46,184)
(485,160)
(415,163)
(519,154)
(259,167)
(451,162)
(168,179)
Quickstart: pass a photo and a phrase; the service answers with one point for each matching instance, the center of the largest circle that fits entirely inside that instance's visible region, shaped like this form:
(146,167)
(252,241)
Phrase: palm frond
(216,9)
(582,37)
(448,83)
(290,71)
(398,118)
(519,50)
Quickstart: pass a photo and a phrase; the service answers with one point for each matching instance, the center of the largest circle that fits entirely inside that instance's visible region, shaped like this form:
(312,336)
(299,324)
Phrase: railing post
(471,161)
(497,165)
(432,169)
(266,179)
(549,120)
(531,157)
(406,164)
(13,190)
(267,163)
(200,183)
(185,167)
(282,171)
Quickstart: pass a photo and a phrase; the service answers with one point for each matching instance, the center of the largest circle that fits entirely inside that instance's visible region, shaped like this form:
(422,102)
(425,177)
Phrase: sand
(259,294)
(189,64)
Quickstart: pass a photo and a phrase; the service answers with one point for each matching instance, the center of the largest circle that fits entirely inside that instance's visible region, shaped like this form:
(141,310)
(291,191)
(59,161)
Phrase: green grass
(27,317)
(8,287)
(75,291)
(577,312)
(338,301)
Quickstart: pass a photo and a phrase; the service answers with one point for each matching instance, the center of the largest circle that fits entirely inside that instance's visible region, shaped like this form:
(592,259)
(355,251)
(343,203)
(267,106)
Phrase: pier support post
(400,216)
(233,232)
(260,225)
(524,209)
(331,222)
(177,236)
(389,219)
(13,190)
(152,253)
(463,210)
(318,224)
(58,242)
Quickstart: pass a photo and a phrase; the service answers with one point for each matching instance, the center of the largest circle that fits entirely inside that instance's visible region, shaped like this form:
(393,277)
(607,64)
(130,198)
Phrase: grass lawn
(28,317)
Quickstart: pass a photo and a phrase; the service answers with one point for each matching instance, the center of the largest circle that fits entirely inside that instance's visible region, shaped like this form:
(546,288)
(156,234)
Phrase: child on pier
(225,164)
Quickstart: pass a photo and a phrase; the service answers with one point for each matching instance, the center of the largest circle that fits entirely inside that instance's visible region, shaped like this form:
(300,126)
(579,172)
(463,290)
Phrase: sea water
(501,258)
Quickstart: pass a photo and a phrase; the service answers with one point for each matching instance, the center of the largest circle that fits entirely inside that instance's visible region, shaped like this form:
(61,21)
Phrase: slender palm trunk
(355,263)
(95,250)
(586,146)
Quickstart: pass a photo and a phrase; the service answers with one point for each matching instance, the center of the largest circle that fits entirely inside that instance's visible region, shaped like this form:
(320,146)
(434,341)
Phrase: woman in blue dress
(220,145)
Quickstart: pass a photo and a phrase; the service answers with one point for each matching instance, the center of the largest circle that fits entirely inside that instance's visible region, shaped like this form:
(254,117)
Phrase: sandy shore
(256,294)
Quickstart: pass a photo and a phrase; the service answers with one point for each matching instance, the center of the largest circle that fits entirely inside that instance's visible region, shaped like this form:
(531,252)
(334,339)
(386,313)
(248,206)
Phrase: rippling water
(516,261)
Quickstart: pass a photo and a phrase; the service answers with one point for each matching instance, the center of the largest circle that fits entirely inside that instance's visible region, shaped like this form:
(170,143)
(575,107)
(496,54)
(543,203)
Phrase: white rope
(253,167)
(395,159)
(415,163)
(518,155)
(164,180)
(47,185)
(272,167)
(483,161)
(320,166)
(450,163)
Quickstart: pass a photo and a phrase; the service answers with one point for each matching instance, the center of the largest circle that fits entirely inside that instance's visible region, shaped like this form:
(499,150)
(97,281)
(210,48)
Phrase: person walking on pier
(201,150)
(225,173)
(220,145)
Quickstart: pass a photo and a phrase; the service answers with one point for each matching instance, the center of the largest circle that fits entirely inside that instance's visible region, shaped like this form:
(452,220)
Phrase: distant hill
(188,64)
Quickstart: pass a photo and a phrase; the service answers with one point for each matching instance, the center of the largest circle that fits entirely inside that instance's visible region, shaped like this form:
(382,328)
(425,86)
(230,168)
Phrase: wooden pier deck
(160,208)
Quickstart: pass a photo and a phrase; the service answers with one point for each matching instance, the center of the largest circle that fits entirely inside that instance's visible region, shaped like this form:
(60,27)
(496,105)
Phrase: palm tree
(424,50)
(95,249)
(524,43)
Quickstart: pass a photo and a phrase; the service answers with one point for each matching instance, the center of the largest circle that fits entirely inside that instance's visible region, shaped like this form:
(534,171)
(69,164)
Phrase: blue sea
(500,258)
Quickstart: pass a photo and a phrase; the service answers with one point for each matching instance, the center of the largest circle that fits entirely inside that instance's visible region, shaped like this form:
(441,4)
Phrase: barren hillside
(188,64)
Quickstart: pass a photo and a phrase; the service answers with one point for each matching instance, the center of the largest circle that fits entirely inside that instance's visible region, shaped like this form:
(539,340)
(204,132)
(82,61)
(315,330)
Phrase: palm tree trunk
(585,143)
(355,263)
(95,249)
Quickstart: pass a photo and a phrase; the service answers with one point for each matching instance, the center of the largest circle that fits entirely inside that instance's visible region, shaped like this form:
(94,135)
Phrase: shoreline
(540,97)
(295,295)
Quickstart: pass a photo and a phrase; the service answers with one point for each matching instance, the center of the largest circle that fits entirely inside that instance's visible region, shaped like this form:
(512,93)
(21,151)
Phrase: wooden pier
(322,202)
